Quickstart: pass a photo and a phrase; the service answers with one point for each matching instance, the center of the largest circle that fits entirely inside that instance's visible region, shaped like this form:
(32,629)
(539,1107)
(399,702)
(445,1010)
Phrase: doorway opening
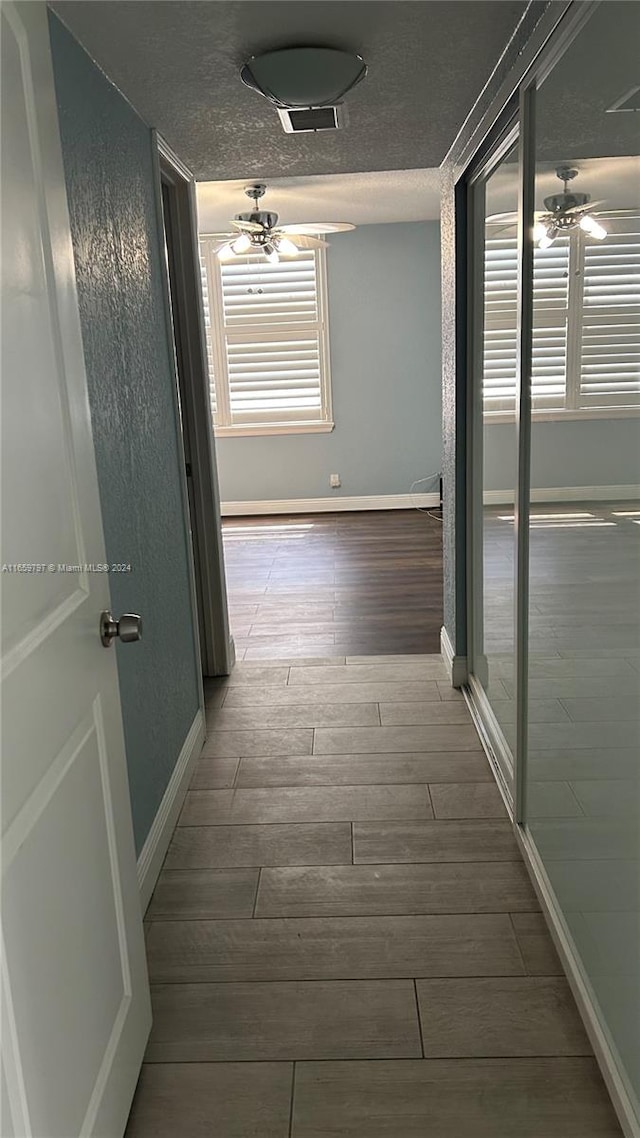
(324,364)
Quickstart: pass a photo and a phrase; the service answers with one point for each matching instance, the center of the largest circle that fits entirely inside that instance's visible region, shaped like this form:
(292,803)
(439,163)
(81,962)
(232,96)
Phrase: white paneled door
(76,1011)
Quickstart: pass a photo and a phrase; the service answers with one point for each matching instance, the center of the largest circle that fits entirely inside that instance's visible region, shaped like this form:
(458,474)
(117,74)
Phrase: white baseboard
(331,505)
(566,494)
(155,847)
(491,736)
(626,1108)
(456,665)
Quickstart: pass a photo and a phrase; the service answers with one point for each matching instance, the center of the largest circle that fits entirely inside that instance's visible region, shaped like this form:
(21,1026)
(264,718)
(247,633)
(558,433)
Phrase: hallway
(344,940)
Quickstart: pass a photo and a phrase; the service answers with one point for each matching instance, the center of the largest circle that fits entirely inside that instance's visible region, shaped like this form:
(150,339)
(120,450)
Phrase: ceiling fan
(258,232)
(563,212)
(567,210)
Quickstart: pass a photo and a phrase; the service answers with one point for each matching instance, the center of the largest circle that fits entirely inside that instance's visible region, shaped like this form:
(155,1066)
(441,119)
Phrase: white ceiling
(363,199)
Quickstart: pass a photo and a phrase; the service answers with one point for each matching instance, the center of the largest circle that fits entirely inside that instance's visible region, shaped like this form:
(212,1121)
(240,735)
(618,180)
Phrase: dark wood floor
(334,584)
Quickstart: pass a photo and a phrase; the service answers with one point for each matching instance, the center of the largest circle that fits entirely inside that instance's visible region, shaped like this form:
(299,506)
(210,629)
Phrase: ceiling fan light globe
(226,253)
(271,253)
(539,231)
(592,227)
(286,247)
(241,245)
(547,239)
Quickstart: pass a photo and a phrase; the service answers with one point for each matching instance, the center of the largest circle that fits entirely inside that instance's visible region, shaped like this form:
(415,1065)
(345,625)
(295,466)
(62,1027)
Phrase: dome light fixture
(306,85)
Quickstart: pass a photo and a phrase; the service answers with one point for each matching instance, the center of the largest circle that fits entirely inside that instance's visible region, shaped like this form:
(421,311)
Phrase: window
(267,343)
(586,323)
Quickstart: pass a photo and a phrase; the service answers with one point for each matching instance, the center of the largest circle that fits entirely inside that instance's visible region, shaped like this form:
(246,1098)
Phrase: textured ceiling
(601,65)
(363,199)
(178,64)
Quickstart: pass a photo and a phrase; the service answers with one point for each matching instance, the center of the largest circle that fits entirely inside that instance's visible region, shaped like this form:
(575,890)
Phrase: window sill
(274,429)
(574,414)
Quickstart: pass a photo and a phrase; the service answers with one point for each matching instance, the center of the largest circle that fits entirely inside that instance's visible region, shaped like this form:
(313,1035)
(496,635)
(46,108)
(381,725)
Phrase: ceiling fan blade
(587,208)
(314,229)
(302,240)
(248,226)
(624,211)
(495,218)
(511,217)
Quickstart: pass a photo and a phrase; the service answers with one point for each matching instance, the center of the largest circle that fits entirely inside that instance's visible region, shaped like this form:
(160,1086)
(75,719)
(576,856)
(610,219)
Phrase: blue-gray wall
(574,453)
(385,333)
(107,154)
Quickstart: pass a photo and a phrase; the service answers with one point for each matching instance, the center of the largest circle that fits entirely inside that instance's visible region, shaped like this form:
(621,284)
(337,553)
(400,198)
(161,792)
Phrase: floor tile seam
(162,920)
(408,978)
(418,1016)
(255,896)
(379,864)
(407,982)
(425,817)
(233,826)
(391,1056)
(467,752)
(516,860)
(340,785)
(292,1100)
(480,1059)
(348,822)
(519,946)
(346,785)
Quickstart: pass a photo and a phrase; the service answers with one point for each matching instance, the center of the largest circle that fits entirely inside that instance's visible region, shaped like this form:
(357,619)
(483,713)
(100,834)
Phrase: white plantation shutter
(273,352)
(500,316)
(610,341)
(551,273)
(586,321)
(207,326)
(550,324)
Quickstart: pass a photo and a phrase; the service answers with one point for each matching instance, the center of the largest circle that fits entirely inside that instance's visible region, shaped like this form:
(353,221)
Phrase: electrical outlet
(334,481)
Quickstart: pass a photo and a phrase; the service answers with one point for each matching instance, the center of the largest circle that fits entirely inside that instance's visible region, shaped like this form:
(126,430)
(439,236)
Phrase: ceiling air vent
(312,119)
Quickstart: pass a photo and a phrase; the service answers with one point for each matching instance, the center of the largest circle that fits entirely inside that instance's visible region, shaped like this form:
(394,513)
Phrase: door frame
(483,166)
(186,328)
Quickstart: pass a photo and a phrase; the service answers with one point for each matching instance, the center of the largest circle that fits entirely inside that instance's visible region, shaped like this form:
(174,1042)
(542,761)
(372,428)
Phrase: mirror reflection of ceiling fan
(258,232)
(563,212)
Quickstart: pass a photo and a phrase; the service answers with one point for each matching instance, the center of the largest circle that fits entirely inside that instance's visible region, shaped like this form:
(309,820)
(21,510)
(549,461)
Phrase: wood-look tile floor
(364,583)
(343,940)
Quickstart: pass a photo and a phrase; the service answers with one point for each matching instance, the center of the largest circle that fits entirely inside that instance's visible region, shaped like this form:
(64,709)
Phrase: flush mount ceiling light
(566,211)
(259,232)
(305,84)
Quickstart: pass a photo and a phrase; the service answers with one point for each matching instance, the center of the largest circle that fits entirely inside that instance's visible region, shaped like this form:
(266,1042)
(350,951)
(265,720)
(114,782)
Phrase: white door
(76,1010)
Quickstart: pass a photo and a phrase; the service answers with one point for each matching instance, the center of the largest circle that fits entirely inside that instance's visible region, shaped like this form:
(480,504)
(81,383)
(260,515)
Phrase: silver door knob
(128,628)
